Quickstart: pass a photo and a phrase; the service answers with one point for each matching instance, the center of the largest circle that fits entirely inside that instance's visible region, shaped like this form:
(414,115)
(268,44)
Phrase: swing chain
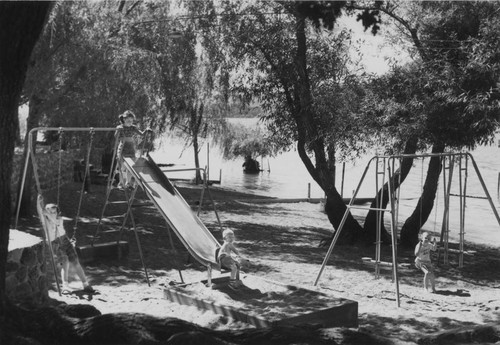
(87,162)
(59,177)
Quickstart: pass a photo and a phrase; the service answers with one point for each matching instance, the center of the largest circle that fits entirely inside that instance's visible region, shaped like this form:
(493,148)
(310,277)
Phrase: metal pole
(208,161)
(112,170)
(498,187)
(484,187)
(47,240)
(465,198)
(139,247)
(461,211)
(342,185)
(330,249)
(23,181)
(341,225)
(394,235)
(202,192)
(378,219)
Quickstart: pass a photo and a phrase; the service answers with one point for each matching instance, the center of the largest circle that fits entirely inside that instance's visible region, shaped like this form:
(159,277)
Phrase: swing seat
(107,250)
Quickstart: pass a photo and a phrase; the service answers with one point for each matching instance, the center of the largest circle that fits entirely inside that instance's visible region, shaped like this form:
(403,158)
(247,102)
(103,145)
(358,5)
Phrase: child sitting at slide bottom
(227,261)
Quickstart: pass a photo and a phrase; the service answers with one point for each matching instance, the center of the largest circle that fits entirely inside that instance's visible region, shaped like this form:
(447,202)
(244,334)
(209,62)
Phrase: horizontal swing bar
(369,208)
(425,155)
(470,196)
(75,129)
(179,170)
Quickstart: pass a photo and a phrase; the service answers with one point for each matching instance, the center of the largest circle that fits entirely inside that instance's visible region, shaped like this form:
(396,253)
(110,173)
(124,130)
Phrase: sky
(374,48)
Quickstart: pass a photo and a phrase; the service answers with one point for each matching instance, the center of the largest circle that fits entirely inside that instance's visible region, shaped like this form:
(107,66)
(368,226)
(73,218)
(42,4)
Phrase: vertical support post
(445,229)
(343,175)
(213,205)
(139,247)
(115,165)
(174,250)
(309,191)
(498,187)
(47,240)
(23,180)
(202,196)
(480,177)
(208,162)
(463,200)
(379,218)
(394,232)
(399,192)
(334,241)
(209,276)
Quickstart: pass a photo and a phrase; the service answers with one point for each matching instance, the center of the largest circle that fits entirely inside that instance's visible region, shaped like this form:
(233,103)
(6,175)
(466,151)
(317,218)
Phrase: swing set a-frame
(93,249)
(385,171)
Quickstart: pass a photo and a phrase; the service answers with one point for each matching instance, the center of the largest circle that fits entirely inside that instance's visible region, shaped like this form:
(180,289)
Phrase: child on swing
(127,146)
(64,249)
(227,261)
(423,260)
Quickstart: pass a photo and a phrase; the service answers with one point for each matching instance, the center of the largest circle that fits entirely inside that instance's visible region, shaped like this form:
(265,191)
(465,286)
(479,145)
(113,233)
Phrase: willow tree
(456,90)
(280,52)
(69,81)
(179,65)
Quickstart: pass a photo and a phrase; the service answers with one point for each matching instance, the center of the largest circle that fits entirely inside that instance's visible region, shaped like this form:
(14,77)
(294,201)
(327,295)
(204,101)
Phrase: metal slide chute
(195,236)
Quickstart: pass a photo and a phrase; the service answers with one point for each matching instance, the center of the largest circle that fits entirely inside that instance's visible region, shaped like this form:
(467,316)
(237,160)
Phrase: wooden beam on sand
(357,201)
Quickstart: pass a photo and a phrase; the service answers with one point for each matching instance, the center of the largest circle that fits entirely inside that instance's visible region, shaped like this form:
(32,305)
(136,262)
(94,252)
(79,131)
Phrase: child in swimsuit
(227,261)
(423,260)
(63,248)
(127,146)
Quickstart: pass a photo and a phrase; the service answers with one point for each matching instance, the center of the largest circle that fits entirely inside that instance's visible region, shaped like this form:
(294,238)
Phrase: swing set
(94,249)
(386,170)
(31,155)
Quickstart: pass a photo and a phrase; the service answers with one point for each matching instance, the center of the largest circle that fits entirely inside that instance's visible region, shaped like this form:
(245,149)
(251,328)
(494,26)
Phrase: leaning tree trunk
(309,134)
(20,26)
(32,122)
(382,198)
(412,226)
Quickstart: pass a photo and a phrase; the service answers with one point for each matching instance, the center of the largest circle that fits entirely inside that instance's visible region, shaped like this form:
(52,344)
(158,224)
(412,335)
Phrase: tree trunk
(370,225)
(32,122)
(196,151)
(20,26)
(412,226)
(308,134)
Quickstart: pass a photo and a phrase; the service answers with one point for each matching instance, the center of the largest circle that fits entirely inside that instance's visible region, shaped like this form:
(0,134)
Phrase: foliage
(264,48)
(74,77)
(241,141)
(450,94)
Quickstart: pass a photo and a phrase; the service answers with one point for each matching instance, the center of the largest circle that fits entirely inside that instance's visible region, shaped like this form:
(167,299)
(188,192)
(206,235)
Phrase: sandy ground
(280,240)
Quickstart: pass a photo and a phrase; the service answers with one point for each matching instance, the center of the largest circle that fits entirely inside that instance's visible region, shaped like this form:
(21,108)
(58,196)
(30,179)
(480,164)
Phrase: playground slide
(198,240)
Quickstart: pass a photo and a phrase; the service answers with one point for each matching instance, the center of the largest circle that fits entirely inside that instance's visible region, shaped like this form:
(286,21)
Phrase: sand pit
(264,303)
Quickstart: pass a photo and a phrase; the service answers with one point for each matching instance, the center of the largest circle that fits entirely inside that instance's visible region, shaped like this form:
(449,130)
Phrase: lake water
(285,176)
